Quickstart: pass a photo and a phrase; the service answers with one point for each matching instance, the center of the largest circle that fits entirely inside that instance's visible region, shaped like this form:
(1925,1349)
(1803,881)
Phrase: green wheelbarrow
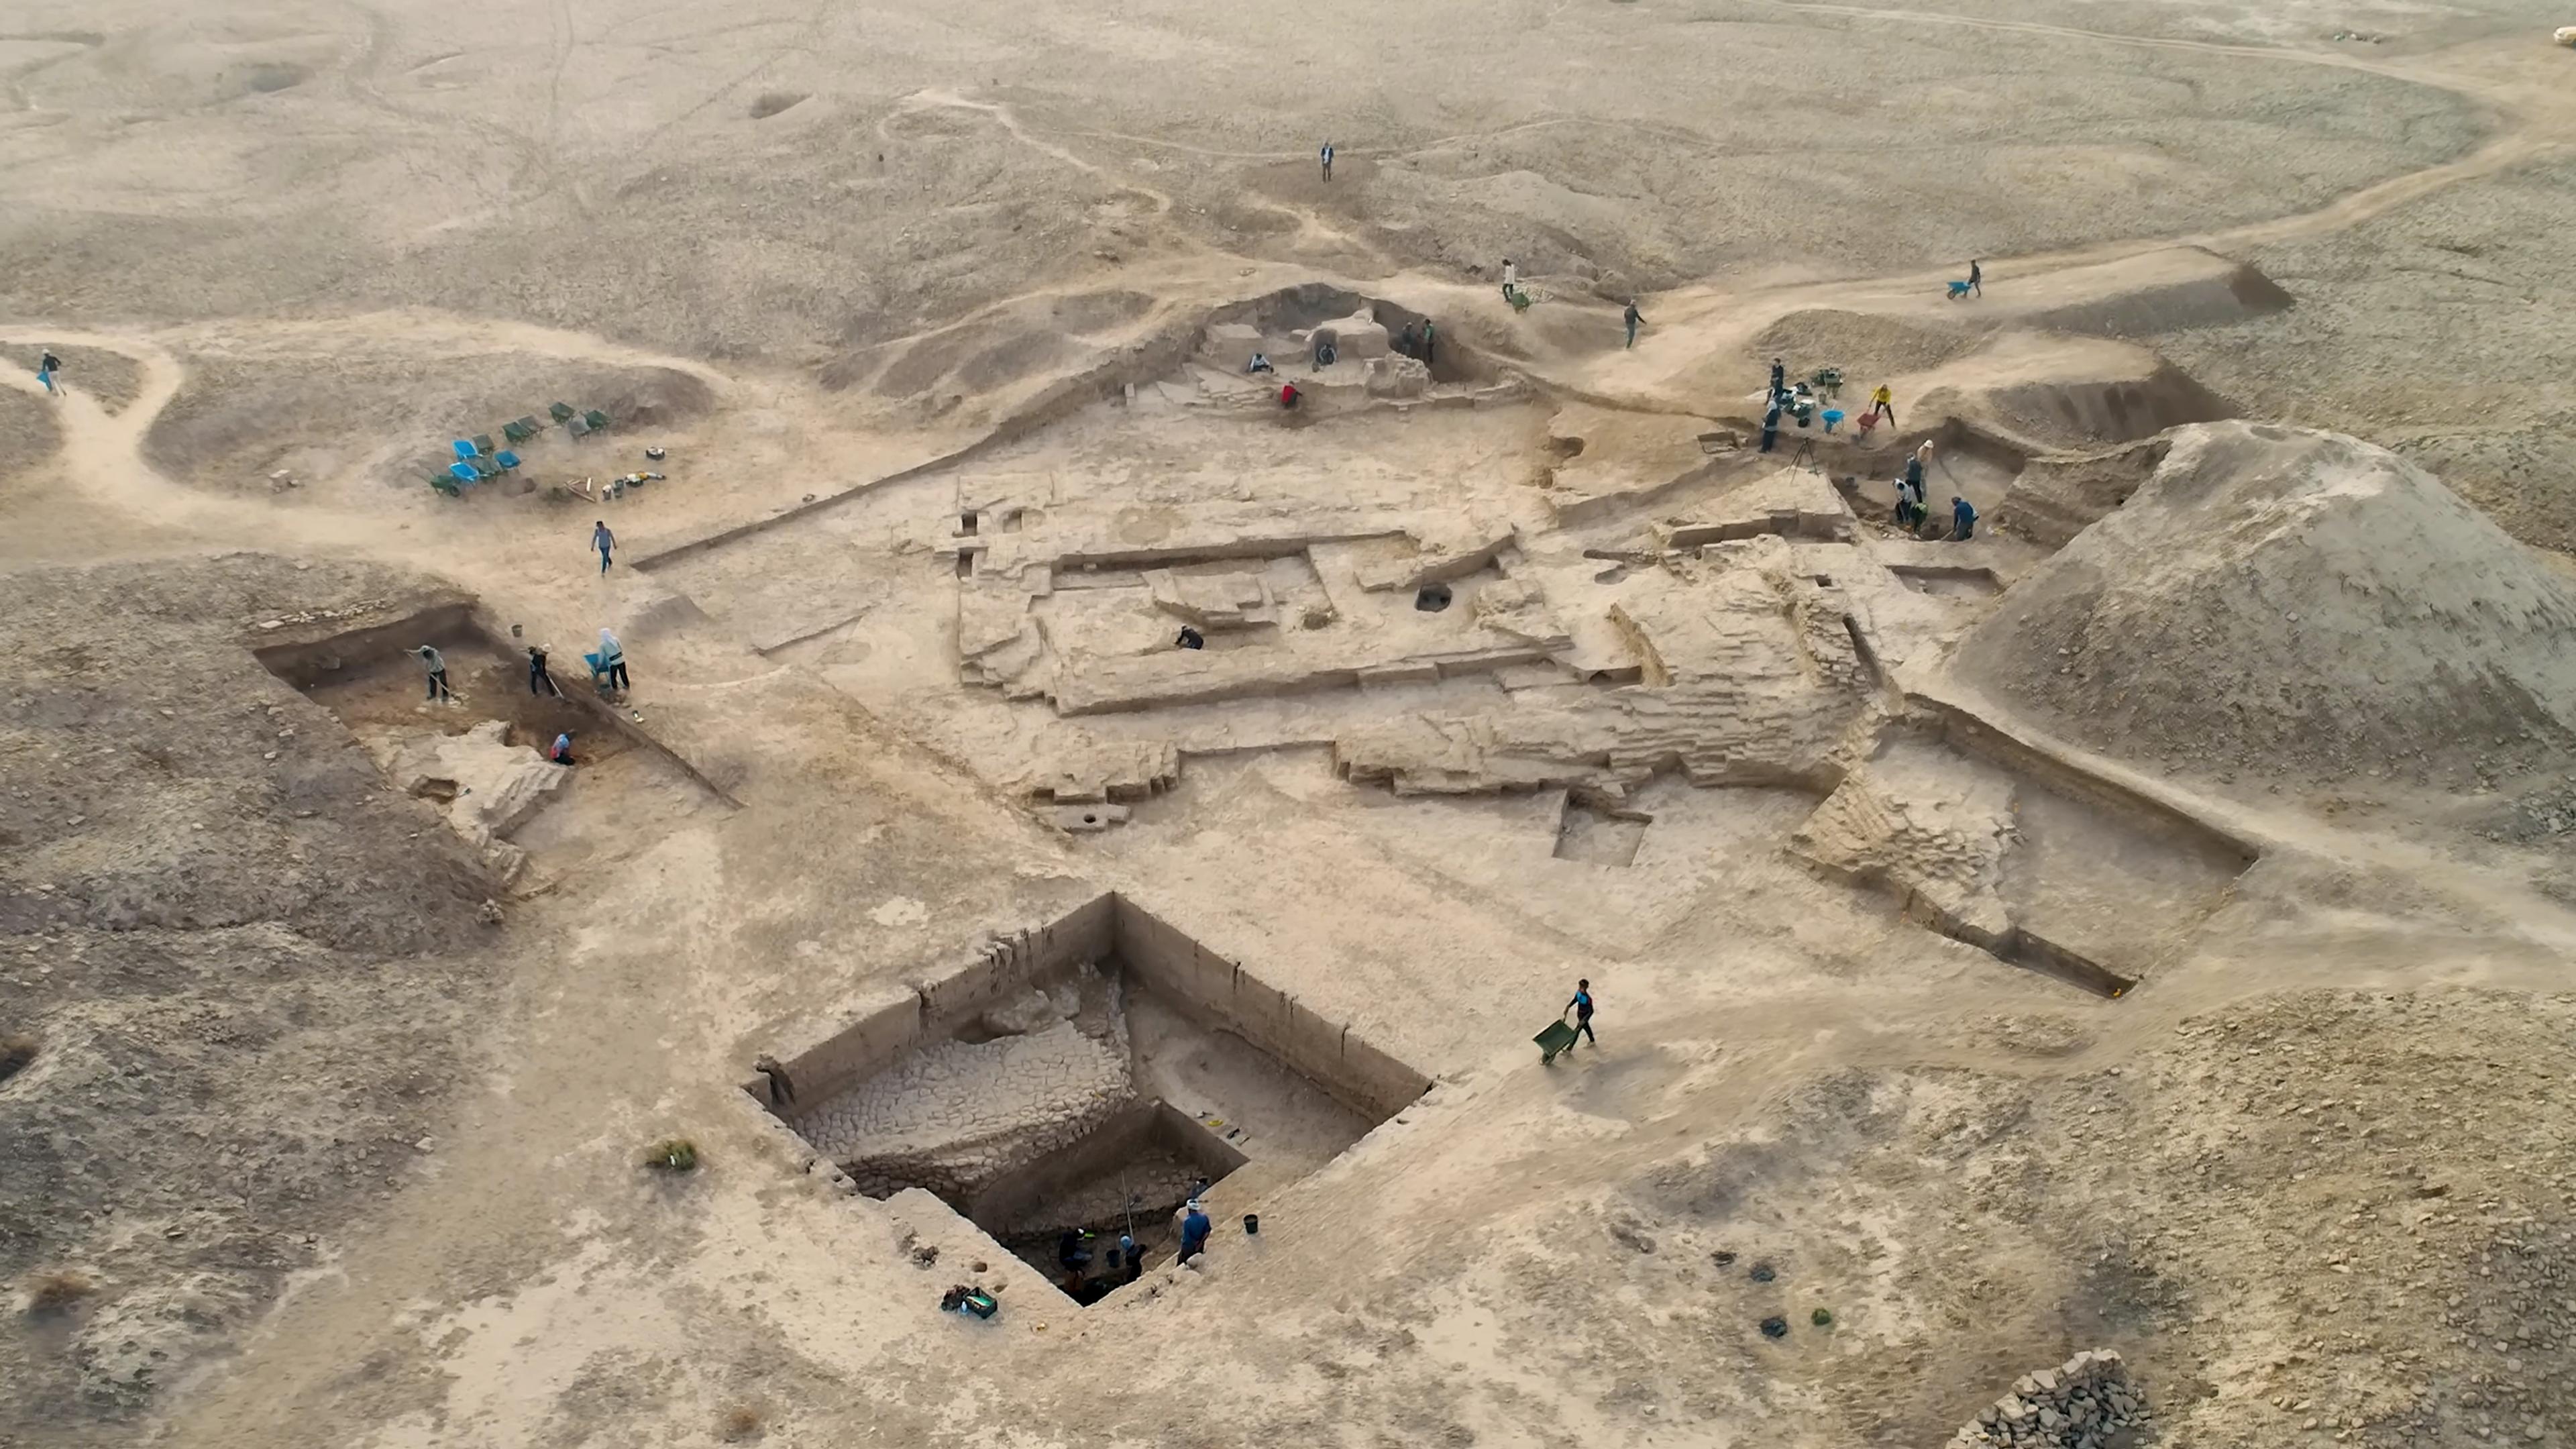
(1557,1038)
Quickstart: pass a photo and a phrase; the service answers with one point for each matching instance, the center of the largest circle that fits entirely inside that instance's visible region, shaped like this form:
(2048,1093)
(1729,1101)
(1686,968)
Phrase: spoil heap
(2079,1404)
(2295,601)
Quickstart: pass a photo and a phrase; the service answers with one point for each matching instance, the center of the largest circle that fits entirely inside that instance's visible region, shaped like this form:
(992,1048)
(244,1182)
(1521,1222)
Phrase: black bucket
(1252,1225)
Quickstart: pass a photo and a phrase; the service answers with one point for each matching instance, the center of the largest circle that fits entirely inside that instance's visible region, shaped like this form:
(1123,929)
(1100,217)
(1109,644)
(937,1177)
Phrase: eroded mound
(2059,495)
(239,418)
(2221,292)
(2296,601)
(1861,345)
(2114,409)
(27,434)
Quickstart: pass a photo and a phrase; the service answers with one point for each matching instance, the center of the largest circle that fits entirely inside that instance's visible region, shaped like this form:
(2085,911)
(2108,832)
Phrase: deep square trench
(1086,1077)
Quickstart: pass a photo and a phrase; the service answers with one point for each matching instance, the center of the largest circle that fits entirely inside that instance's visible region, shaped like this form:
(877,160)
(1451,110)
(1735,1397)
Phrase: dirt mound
(2105,410)
(238,418)
(27,435)
(2059,495)
(2221,294)
(660,397)
(232,912)
(1864,347)
(2524,477)
(2296,601)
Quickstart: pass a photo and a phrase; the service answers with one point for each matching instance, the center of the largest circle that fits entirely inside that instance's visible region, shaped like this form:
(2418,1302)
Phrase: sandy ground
(326,1135)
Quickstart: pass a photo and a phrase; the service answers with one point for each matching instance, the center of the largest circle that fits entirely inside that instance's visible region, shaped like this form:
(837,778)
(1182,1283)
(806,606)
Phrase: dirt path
(1694,329)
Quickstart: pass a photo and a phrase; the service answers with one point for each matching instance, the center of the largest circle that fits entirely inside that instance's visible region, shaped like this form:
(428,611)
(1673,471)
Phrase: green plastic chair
(559,412)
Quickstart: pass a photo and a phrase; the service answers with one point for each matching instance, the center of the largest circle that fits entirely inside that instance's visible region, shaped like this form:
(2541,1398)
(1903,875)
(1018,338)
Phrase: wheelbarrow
(1958,290)
(1558,1038)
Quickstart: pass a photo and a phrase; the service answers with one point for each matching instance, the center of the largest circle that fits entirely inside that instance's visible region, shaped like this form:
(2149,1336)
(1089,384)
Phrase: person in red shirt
(1288,394)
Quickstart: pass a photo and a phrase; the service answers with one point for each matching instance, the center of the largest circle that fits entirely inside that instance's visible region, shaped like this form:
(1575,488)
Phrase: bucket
(1252,1225)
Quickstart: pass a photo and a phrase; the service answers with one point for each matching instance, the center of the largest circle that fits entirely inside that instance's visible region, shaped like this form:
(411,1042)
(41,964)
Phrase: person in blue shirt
(1195,1228)
(1963,520)
(1581,1006)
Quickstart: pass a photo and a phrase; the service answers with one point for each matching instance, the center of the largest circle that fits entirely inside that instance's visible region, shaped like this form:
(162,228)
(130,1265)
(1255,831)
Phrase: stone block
(1397,377)
(1214,601)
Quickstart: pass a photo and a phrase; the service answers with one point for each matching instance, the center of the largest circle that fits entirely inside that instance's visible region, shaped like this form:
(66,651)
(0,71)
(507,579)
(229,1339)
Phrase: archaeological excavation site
(1091,1077)
(1430,599)
(1157,726)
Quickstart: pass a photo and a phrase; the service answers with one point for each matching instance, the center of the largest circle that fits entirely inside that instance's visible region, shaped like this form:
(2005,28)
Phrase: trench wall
(1201,984)
(1970,735)
(307,662)
(1120,1139)
(900,1014)
(1221,993)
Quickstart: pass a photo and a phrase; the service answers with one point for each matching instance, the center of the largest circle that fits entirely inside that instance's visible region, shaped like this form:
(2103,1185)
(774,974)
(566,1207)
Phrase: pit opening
(1964,583)
(1432,598)
(1598,833)
(626,783)
(1089,1077)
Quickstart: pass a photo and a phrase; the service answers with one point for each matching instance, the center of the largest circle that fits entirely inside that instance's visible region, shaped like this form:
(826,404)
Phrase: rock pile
(2080,1404)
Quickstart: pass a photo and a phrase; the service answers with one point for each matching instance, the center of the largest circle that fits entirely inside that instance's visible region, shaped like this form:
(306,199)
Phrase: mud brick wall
(1223,994)
(896,1016)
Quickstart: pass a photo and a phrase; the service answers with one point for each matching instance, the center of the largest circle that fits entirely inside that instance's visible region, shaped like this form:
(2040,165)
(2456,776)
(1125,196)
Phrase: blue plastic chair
(463,473)
(464,447)
(507,459)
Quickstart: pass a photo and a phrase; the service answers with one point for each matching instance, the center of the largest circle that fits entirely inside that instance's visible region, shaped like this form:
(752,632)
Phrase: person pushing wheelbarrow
(1560,1036)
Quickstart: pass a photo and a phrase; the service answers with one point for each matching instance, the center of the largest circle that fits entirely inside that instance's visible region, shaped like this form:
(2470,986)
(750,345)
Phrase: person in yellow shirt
(1882,401)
